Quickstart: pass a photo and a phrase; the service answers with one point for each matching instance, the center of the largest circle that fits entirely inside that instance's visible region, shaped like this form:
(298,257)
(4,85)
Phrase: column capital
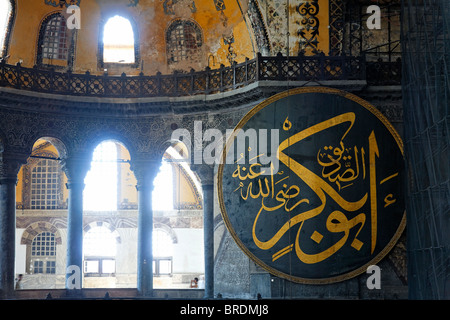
(76,168)
(10,164)
(145,171)
(205,172)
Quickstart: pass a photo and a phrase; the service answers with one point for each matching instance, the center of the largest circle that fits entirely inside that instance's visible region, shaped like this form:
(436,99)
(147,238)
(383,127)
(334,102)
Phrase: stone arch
(182,146)
(36,228)
(105,135)
(59,145)
(113,230)
(167,229)
(179,154)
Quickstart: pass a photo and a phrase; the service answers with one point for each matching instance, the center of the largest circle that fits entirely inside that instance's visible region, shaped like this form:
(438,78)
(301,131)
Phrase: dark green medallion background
(292,112)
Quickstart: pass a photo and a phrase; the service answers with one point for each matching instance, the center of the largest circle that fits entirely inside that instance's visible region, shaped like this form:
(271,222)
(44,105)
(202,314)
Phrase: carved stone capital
(76,168)
(145,171)
(10,165)
(205,172)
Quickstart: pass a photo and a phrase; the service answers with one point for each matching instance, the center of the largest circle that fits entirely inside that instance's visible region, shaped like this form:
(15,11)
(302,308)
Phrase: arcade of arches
(109,220)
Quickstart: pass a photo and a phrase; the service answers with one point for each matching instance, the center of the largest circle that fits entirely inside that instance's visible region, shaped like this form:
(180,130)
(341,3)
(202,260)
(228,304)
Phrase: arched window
(6,17)
(99,247)
(118,41)
(100,192)
(45,185)
(54,42)
(183,41)
(43,253)
(162,253)
(167,189)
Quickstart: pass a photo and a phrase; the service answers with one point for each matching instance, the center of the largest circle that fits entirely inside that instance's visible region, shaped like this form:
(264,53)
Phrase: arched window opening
(178,241)
(53,46)
(162,253)
(184,40)
(118,41)
(99,247)
(5,16)
(43,253)
(181,160)
(100,192)
(41,179)
(165,183)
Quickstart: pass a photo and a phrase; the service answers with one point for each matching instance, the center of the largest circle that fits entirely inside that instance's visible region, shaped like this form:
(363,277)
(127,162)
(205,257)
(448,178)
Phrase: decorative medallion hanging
(327,200)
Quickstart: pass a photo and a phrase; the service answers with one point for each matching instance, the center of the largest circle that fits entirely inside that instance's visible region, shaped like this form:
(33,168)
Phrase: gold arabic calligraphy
(340,166)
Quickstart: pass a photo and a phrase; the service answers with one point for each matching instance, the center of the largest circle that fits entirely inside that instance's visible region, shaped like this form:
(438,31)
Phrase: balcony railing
(278,68)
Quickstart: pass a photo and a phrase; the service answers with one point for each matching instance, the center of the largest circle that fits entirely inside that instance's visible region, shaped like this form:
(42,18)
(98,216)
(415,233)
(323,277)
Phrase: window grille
(54,44)
(184,39)
(43,253)
(45,185)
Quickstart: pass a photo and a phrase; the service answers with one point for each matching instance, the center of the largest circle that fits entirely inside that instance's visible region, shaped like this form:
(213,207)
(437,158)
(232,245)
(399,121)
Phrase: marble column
(9,168)
(75,169)
(145,172)
(206,174)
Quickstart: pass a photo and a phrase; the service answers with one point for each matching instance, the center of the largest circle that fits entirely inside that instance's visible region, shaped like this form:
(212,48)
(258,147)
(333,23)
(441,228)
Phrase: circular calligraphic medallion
(310,185)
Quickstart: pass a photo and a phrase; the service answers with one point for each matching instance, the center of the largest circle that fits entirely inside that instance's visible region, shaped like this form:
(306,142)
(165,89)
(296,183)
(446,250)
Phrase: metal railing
(208,81)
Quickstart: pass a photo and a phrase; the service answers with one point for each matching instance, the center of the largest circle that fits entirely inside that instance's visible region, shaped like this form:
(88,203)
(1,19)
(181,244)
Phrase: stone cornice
(249,95)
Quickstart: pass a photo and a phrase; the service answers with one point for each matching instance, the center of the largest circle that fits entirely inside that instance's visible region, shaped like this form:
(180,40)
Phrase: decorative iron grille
(280,68)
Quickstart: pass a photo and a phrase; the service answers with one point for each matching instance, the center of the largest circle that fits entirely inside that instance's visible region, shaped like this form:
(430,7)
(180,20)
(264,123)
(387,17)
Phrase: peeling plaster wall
(232,31)
(152,18)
